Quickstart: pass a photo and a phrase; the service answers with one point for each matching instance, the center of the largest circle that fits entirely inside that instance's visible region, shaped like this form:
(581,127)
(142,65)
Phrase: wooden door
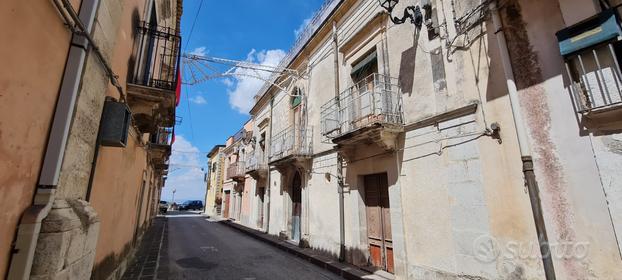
(379,221)
(227,201)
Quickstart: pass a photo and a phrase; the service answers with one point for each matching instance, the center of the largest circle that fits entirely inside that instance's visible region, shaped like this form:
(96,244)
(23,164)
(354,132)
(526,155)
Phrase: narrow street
(194,248)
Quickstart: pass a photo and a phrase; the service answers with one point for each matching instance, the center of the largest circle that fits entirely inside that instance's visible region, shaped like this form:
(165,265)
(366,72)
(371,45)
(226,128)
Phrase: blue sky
(257,30)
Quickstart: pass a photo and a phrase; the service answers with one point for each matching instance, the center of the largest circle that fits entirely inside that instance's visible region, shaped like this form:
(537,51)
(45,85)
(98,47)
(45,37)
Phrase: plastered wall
(29,83)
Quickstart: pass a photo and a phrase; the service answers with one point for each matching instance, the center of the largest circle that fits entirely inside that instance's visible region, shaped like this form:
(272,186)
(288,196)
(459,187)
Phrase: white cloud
(200,100)
(185,174)
(302,27)
(200,51)
(228,82)
(243,89)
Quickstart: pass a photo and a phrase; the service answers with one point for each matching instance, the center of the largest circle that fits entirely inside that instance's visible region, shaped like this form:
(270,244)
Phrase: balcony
(236,171)
(293,143)
(153,81)
(592,61)
(256,166)
(368,112)
(160,147)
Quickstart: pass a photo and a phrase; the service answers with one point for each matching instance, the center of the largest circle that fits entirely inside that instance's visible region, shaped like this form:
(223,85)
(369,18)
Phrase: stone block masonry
(66,246)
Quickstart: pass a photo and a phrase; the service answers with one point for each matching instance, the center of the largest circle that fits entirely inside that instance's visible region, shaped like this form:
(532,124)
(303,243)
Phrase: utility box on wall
(115,124)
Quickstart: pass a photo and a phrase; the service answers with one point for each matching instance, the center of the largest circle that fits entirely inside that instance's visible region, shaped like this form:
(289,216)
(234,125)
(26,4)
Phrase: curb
(344,270)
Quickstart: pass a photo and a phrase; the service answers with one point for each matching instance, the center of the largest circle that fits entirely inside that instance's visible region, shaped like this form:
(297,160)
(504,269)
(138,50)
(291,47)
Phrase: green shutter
(296,100)
(368,60)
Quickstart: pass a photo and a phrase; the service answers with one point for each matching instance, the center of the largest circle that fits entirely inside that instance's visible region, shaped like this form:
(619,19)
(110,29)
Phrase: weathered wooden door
(296,207)
(379,221)
(227,201)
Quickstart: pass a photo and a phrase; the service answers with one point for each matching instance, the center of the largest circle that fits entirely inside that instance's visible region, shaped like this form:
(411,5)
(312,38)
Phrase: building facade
(213,195)
(87,113)
(234,180)
(480,141)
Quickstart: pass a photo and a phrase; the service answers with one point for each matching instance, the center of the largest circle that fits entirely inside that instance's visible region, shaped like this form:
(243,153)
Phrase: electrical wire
(188,152)
(196,16)
(192,27)
(190,116)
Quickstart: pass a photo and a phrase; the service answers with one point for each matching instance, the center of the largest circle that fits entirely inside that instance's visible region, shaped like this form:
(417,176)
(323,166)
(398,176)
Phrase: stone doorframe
(355,172)
(287,176)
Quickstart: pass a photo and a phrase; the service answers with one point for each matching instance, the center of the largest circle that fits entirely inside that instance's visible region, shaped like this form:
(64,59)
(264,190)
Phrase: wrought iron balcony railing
(375,99)
(163,137)
(160,147)
(292,141)
(256,162)
(596,78)
(236,170)
(157,54)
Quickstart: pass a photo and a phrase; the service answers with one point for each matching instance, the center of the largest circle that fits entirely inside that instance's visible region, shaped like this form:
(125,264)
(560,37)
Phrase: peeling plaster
(528,77)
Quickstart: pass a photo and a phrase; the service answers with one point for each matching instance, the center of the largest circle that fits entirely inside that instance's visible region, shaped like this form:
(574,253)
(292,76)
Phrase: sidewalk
(146,261)
(344,270)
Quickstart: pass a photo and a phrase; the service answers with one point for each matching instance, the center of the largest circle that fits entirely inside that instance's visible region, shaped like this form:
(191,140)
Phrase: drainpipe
(340,179)
(30,223)
(523,143)
(268,150)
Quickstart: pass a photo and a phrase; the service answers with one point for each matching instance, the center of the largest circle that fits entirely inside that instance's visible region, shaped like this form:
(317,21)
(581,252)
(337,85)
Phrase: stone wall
(67,242)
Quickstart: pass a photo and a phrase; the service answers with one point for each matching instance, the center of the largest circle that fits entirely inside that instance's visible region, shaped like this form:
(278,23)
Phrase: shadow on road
(181,214)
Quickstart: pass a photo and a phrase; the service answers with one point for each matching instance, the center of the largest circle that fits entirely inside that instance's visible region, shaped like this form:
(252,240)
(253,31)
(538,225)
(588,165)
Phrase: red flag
(173,137)
(178,89)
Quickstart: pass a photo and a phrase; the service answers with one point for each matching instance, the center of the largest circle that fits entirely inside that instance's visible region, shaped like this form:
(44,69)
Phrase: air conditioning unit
(115,124)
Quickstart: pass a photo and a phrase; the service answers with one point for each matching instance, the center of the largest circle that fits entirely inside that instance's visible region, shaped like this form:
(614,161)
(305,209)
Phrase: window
(297,97)
(364,67)
(262,141)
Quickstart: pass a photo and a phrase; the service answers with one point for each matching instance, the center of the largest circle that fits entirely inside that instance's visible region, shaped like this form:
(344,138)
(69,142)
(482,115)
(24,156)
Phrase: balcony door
(297,130)
(361,99)
(378,211)
(146,57)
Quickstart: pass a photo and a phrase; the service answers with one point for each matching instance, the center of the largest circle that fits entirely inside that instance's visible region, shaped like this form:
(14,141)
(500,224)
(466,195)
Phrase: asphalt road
(200,249)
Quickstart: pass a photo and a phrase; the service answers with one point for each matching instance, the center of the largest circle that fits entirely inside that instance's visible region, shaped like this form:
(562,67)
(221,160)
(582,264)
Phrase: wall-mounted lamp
(411,12)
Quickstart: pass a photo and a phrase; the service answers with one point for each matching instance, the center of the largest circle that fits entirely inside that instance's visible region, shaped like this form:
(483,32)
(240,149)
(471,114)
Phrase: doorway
(227,202)
(378,221)
(296,206)
(238,206)
(260,198)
